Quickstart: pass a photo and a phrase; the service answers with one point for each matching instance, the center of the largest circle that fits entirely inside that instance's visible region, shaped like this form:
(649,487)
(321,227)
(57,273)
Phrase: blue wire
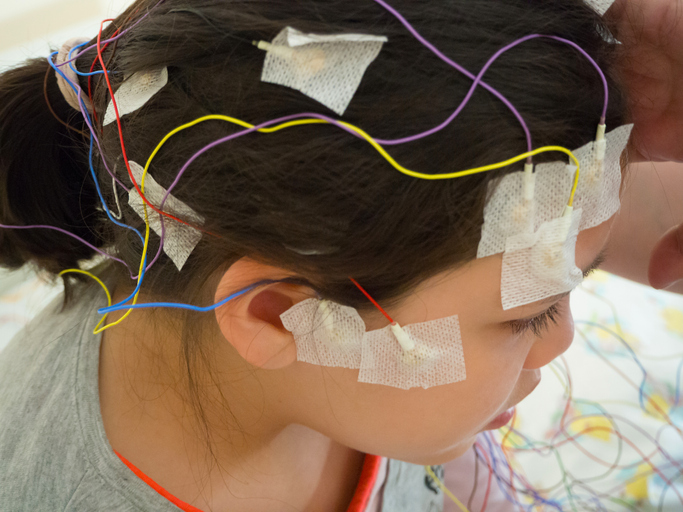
(678,383)
(176,305)
(97,185)
(71,64)
(499,480)
(90,157)
(123,304)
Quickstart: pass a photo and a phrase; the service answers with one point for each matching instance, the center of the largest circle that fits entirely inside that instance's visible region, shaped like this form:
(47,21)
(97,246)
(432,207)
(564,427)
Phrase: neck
(264,458)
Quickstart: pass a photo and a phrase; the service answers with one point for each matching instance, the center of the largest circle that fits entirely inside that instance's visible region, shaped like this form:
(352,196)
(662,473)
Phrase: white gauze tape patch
(179,239)
(437,358)
(328,334)
(135,92)
(327,68)
(507,212)
(600,5)
(541,264)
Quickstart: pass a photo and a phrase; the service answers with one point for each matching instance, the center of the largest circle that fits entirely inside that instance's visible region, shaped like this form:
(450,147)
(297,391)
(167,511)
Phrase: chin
(443,457)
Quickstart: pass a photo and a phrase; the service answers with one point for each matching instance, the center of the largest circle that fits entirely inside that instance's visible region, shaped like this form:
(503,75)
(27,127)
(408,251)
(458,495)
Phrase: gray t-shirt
(54,453)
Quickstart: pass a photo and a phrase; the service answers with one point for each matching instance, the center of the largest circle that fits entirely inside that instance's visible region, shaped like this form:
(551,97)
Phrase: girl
(177,408)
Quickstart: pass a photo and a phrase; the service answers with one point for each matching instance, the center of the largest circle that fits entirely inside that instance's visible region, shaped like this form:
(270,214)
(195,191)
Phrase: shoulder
(40,443)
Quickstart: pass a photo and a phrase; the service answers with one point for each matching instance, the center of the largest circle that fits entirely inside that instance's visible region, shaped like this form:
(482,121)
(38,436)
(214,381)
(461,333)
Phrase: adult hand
(651,66)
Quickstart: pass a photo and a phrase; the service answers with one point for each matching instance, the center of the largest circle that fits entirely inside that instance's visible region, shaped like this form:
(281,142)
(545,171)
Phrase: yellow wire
(363,134)
(99,329)
(445,489)
(379,148)
(99,281)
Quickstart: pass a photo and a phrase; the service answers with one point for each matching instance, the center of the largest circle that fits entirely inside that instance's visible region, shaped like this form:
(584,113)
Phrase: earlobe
(251,323)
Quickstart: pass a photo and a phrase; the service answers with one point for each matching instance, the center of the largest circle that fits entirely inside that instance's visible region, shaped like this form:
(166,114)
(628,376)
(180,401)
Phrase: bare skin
(290,435)
(302,430)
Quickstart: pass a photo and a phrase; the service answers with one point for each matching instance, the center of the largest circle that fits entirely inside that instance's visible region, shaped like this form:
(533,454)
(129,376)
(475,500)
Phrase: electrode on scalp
(135,92)
(326,67)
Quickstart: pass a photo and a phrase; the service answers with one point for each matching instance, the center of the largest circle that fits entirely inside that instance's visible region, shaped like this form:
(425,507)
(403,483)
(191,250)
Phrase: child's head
(315,204)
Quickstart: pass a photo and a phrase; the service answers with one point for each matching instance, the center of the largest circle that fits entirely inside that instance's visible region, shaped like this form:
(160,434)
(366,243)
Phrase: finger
(666,259)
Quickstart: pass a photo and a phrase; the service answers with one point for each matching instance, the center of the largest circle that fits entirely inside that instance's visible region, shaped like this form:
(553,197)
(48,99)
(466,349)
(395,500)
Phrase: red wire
(507,456)
(371,300)
(488,485)
(92,68)
(123,146)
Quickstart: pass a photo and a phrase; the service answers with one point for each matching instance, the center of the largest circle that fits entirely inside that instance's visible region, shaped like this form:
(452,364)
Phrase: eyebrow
(599,260)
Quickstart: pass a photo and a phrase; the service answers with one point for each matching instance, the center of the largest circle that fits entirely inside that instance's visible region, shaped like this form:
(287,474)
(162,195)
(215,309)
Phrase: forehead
(473,291)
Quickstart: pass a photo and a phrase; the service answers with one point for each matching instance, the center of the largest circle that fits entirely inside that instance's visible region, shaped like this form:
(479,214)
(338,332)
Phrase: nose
(554,342)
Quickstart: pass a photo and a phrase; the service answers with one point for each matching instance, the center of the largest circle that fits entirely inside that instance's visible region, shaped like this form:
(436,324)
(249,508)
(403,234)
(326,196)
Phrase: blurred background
(30,28)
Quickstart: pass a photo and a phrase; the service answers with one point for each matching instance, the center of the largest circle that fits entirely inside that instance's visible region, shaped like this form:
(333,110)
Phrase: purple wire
(595,65)
(478,80)
(40,226)
(111,40)
(161,241)
(246,132)
(462,70)
(97,141)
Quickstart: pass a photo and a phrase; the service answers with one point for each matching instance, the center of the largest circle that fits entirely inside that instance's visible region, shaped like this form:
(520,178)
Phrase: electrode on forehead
(179,239)
(507,210)
(135,92)
(541,264)
(327,68)
(538,236)
(421,355)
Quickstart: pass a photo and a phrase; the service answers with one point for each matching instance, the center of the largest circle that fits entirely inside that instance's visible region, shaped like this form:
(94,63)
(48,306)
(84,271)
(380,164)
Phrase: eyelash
(539,323)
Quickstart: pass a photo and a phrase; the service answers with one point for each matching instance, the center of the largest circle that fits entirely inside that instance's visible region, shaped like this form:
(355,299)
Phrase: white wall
(30,28)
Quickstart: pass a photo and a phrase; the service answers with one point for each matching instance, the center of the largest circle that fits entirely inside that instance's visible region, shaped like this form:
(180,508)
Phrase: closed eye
(538,324)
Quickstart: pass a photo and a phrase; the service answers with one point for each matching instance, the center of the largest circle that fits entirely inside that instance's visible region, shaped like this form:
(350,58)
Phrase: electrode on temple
(403,338)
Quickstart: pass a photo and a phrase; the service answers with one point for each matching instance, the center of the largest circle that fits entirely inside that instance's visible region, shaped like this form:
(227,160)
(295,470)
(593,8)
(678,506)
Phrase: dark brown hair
(305,189)
(312,189)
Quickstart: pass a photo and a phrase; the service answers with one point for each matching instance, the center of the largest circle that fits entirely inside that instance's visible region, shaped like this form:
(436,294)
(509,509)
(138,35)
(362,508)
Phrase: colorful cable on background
(637,455)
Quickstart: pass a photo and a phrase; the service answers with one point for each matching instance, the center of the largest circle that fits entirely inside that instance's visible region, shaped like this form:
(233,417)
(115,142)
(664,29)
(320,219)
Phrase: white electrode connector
(281,51)
(529,182)
(600,143)
(403,338)
(327,317)
(566,221)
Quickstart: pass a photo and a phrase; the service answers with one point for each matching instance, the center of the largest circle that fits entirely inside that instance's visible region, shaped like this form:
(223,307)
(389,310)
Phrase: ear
(666,259)
(251,323)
